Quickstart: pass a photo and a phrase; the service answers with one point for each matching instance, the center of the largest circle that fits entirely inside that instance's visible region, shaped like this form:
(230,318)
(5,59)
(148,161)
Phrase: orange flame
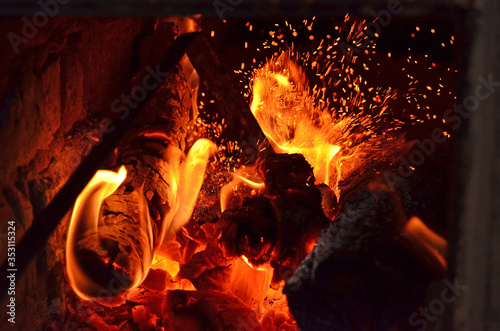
(251,284)
(85,217)
(245,177)
(192,174)
(288,116)
(194,81)
(251,265)
(186,180)
(434,243)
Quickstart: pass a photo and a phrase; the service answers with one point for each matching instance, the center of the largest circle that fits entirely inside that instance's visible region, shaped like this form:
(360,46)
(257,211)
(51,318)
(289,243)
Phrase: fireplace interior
(257,171)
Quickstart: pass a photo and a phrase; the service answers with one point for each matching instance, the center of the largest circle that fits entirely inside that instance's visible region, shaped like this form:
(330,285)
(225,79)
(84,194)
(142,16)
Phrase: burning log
(134,219)
(369,269)
(280,224)
(109,251)
(48,219)
(250,230)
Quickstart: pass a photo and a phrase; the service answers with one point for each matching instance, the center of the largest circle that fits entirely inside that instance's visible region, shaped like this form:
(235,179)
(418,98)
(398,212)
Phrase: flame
(245,178)
(185,183)
(251,284)
(434,243)
(251,265)
(289,118)
(249,182)
(193,79)
(192,174)
(85,217)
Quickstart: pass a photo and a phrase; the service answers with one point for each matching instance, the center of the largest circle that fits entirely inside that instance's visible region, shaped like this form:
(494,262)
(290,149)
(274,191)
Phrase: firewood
(278,225)
(232,106)
(366,272)
(136,216)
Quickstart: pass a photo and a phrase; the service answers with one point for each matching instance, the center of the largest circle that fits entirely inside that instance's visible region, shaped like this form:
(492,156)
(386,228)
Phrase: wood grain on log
(136,216)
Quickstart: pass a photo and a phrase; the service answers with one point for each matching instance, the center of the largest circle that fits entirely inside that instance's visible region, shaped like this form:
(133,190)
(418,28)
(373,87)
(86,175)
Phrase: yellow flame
(246,260)
(192,174)
(262,268)
(245,177)
(286,113)
(85,217)
(251,284)
(249,182)
(185,179)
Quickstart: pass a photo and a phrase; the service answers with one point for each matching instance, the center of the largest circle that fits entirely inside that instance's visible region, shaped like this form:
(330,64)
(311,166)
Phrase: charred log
(279,225)
(250,230)
(232,106)
(285,171)
(366,272)
(300,220)
(135,217)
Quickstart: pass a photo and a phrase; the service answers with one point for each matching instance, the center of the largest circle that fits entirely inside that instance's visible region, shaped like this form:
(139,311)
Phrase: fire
(287,114)
(294,120)
(245,178)
(251,284)
(85,217)
(251,265)
(194,81)
(433,242)
(191,179)
(186,184)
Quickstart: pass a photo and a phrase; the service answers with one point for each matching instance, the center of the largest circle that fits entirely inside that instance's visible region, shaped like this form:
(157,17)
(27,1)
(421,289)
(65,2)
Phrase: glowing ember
(245,180)
(192,174)
(172,267)
(251,284)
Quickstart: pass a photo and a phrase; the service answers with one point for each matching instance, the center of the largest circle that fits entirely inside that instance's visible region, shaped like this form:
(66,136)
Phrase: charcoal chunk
(249,230)
(284,171)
